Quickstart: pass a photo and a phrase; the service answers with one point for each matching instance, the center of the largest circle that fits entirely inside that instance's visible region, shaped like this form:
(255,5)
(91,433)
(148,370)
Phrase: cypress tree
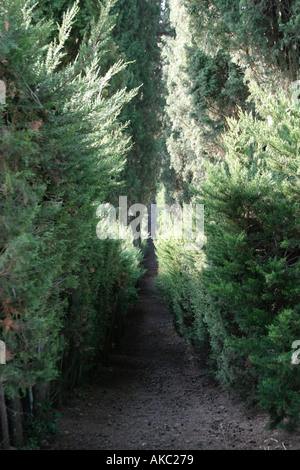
(137,36)
(233,138)
(63,151)
(251,285)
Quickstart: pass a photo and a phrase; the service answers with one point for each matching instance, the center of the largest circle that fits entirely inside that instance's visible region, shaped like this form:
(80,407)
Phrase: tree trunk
(41,398)
(3,419)
(16,422)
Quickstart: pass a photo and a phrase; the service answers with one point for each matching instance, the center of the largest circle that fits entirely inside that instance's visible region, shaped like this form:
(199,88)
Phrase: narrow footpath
(152,396)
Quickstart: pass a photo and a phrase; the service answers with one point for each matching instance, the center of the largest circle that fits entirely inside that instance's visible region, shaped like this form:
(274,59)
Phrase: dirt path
(151,396)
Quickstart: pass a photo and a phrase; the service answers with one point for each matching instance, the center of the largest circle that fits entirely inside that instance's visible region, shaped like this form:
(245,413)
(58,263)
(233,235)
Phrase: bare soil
(151,395)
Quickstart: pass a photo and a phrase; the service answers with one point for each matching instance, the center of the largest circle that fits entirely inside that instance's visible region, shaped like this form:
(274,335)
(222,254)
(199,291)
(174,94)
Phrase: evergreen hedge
(64,293)
(245,292)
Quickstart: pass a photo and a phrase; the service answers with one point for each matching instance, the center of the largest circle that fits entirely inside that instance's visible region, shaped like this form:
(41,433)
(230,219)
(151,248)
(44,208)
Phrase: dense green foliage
(136,35)
(252,284)
(134,38)
(106,98)
(233,139)
(214,44)
(258,33)
(64,292)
